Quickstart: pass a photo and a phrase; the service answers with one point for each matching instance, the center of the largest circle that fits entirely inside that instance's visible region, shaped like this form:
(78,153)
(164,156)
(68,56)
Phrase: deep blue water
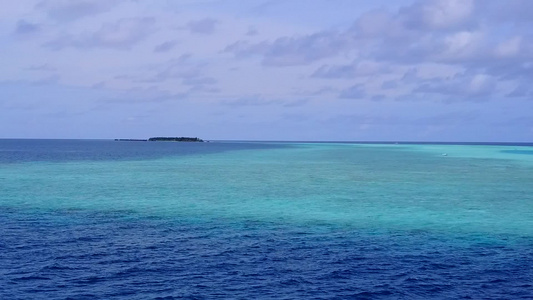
(75,255)
(26,150)
(133,220)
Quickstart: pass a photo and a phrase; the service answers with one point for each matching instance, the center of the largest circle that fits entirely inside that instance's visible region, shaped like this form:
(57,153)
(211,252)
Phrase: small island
(164,139)
(175,139)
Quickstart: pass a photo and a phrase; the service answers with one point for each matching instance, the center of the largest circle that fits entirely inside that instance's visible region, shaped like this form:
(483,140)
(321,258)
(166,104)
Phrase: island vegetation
(175,139)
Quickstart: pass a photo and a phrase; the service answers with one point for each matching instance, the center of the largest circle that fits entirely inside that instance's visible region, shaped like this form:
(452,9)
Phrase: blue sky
(432,70)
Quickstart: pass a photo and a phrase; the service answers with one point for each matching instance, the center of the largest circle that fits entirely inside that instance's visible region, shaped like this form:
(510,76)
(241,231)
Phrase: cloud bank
(406,69)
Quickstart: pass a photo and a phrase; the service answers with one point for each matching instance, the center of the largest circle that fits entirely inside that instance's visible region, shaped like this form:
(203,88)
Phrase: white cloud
(461,87)
(509,48)
(294,50)
(216,54)
(204,26)
(446,13)
(352,70)
(122,34)
(25,28)
(462,44)
(165,46)
(69,10)
(438,14)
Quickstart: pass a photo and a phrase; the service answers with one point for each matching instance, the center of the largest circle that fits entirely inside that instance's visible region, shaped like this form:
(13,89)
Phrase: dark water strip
(20,150)
(121,256)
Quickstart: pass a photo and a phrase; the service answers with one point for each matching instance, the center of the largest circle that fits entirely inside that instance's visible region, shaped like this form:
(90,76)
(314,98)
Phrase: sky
(304,70)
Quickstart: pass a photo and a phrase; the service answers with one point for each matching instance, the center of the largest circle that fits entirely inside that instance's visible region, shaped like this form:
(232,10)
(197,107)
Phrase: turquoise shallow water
(265,220)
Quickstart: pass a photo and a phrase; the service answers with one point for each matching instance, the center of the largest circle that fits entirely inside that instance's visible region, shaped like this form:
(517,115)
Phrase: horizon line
(307,141)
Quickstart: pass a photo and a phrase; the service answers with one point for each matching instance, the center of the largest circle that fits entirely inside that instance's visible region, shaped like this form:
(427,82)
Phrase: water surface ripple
(266,221)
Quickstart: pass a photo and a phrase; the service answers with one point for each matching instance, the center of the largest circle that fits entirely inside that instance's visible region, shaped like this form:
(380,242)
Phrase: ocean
(99,219)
